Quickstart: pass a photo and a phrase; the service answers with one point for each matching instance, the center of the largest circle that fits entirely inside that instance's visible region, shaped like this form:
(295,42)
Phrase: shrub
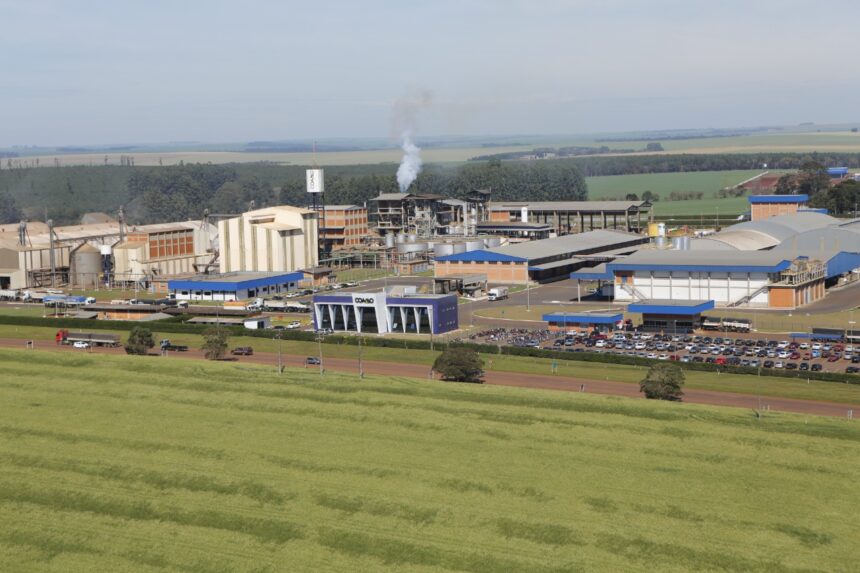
(663,382)
(460,364)
(215,343)
(139,341)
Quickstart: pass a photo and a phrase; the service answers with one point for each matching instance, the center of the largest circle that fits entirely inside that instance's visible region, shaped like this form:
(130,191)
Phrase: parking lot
(748,351)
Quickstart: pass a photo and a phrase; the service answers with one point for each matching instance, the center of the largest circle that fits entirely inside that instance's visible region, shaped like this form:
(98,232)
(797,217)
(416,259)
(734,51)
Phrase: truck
(33,296)
(62,300)
(275,305)
(497,293)
(297,307)
(9,294)
(63,336)
(166,345)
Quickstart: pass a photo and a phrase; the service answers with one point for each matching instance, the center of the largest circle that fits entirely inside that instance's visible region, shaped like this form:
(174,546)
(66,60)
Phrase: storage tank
(400,238)
(389,241)
(443,249)
(456,230)
(87,265)
(652,230)
(417,247)
(459,248)
(678,243)
(474,245)
(411,237)
(493,242)
(105,250)
(685,243)
(660,242)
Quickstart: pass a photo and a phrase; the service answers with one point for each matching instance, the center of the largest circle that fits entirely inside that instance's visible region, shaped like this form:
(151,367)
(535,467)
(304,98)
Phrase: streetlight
(280,360)
(360,362)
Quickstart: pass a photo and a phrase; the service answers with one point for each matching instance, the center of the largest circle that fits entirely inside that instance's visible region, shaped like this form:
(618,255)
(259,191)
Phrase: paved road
(561,383)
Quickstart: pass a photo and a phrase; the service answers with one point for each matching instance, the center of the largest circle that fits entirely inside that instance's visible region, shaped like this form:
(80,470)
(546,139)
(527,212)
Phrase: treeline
(153,194)
(841,199)
(596,166)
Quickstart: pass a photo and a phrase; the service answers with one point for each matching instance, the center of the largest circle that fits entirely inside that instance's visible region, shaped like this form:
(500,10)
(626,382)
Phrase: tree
(663,382)
(631,197)
(650,196)
(9,211)
(214,343)
(656,146)
(139,341)
(460,365)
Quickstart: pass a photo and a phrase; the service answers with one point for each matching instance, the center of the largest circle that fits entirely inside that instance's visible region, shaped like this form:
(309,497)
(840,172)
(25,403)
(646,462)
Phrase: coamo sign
(368,299)
(363,301)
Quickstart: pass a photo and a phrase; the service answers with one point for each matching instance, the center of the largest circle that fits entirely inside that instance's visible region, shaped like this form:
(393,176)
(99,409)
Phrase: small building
(317,276)
(250,322)
(469,285)
(233,286)
(342,226)
(602,321)
(671,316)
(386,311)
(127,311)
(765,206)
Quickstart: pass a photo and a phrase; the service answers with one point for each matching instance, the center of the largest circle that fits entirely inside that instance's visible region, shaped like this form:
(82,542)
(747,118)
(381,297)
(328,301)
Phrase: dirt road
(562,383)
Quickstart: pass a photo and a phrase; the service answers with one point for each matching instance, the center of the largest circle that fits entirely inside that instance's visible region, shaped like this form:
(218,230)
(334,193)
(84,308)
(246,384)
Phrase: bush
(460,364)
(663,382)
(215,343)
(139,341)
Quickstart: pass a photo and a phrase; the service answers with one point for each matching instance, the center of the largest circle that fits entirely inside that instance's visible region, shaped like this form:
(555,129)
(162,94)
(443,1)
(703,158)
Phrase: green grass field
(132,464)
(706,182)
(296,351)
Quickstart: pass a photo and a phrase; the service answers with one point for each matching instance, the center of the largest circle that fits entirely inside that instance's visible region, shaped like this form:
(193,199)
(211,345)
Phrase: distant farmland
(706,182)
(116,463)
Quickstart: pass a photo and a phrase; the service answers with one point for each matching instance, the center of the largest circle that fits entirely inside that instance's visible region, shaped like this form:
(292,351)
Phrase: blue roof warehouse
(233,286)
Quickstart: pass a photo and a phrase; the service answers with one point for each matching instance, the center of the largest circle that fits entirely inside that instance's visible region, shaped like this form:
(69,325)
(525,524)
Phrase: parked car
(312,361)
(292,325)
(852,370)
(242,351)
(803,366)
(81,344)
(816,367)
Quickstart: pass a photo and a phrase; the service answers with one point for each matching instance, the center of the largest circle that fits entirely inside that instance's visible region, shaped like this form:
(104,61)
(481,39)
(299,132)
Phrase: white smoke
(404,124)
(410,164)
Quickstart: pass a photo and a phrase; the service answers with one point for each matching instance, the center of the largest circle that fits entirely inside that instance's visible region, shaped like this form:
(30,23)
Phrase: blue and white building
(233,286)
(383,312)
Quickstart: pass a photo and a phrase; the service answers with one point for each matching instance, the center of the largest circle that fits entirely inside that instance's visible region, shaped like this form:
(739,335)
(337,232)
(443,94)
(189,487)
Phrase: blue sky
(132,71)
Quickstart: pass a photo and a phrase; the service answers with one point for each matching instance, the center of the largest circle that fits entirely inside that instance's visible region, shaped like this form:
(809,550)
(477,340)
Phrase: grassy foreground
(115,464)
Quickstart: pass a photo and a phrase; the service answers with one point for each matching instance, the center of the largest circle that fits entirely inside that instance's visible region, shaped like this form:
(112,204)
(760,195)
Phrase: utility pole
(360,362)
(528,295)
(280,359)
(319,343)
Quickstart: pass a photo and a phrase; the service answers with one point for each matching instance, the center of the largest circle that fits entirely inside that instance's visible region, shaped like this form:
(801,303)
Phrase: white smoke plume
(410,164)
(404,123)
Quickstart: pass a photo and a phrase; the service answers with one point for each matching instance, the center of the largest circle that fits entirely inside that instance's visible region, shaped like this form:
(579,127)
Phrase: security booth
(383,312)
(671,316)
(589,321)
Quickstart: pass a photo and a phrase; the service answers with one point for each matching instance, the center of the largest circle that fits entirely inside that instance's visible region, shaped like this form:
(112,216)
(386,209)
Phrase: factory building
(549,259)
(764,206)
(784,261)
(275,239)
(426,215)
(233,286)
(342,226)
(163,250)
(394,310)
(566,217)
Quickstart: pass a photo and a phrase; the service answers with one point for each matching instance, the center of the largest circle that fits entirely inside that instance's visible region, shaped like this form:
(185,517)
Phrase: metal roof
(564,246)
(670,307)
(717,261)
(754,199)
(391,197)
(567,205)
(598,273)
(583,317)
(767,233)
(515,225)
(234,281)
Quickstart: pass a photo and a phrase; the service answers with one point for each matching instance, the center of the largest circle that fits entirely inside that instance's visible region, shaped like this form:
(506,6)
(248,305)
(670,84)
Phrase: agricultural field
(705,182)
(122,463)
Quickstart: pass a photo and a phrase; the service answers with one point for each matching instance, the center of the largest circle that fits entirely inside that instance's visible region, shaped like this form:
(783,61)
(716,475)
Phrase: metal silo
(443,249)
(389,241)
(492,242)
(474,245)
(459,248)
(86,266)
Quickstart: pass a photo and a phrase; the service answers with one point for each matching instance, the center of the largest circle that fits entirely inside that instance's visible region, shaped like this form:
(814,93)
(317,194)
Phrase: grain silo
(86,266)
